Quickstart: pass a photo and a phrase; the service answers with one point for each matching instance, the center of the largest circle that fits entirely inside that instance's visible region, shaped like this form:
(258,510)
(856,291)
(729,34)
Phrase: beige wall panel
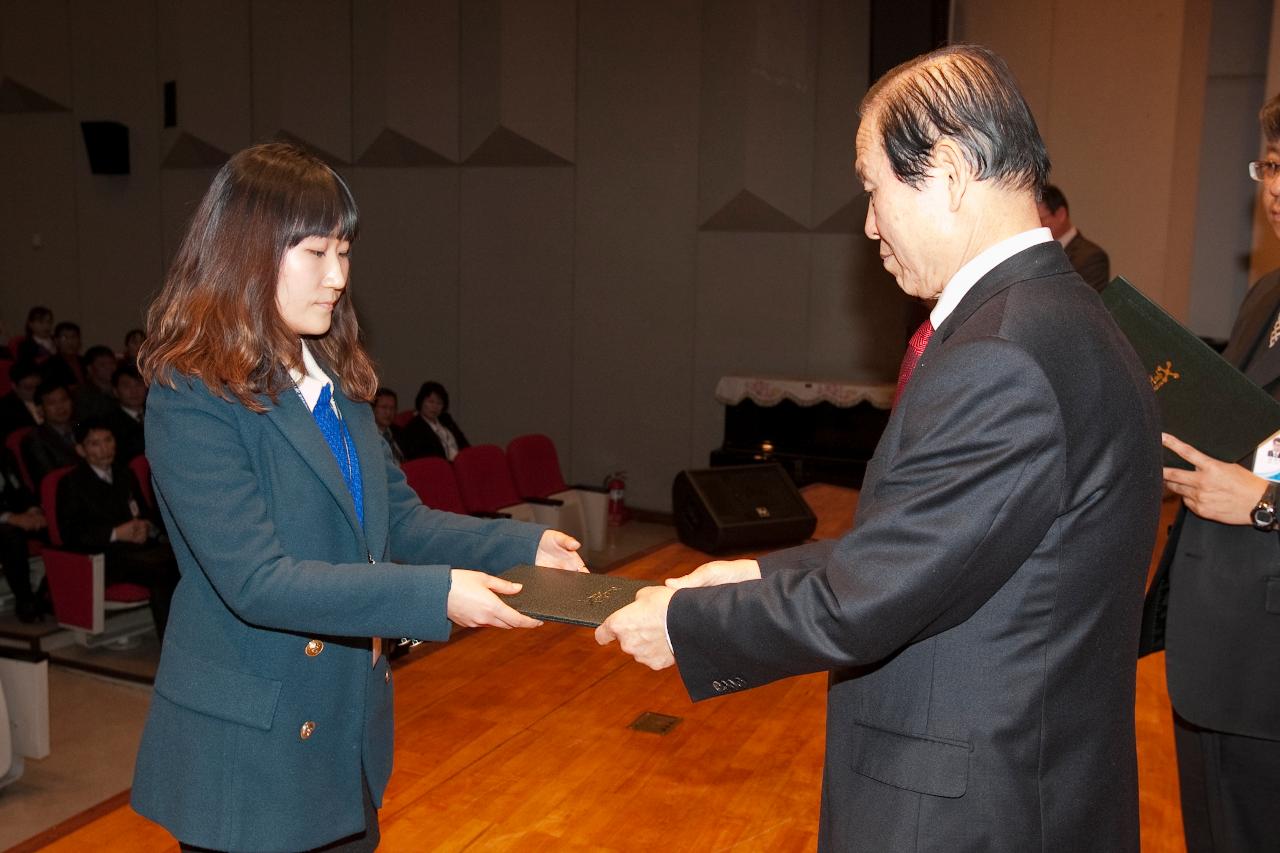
(1121,119)
(752,318)
(842,68)
(205,49)
(859,319)
(635,249)
(758,108)
(34,46)
(38,206)
(405,56)
(404,275)
(539,72)
(302,73)
(516,336)
(518,77)
(117,216)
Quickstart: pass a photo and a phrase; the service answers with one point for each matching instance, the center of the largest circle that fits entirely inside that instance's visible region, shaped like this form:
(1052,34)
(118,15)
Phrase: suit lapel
(1038,261)
(296,424)
(1254,324)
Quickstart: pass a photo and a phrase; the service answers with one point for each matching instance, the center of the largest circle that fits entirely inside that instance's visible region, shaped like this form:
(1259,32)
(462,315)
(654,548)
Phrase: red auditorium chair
(13,442)
(432,478)
(535,469)
(141,469)
(402,418)
(15,343)
(82,598)
(485,483)
(6,384)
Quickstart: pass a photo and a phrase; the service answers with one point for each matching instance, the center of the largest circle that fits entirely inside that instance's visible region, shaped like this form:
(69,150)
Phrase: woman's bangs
(324,208)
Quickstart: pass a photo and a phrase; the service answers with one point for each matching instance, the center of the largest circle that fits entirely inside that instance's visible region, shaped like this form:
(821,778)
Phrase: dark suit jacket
(130,438)
(978,621)
(418,439)
(273,556)
(89,508)
(1090,261)
(14,414)
(46,449)
(1222,587)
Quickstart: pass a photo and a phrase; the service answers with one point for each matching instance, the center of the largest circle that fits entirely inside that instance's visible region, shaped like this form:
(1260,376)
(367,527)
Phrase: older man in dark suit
(978,621)
(1089,259)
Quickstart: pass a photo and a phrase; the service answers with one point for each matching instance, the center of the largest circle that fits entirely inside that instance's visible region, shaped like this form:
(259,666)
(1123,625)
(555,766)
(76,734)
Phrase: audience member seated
(385,403)
(37,337)
(1088,258)
(65,366)
(132,343)
(433,432)
(125,418)
(96,398)
(20,519)
(52,444)
(18,408)
(101,509)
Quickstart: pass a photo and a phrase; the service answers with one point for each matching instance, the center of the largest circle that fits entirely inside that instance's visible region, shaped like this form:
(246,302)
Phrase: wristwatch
(1264,514)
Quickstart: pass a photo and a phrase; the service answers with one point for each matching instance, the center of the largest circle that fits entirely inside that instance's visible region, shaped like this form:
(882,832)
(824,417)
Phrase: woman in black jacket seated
(433,432)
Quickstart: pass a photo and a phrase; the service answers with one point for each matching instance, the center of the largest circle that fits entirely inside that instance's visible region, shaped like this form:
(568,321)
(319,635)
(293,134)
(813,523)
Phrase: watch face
(1263,517)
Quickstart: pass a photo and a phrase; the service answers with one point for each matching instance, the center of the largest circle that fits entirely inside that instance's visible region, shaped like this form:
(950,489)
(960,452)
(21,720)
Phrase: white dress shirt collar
(311,383)
(1068,236)
(981,264)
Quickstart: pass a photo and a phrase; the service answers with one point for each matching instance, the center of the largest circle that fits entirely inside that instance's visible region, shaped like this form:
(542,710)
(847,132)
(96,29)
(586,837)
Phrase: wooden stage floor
(520,740)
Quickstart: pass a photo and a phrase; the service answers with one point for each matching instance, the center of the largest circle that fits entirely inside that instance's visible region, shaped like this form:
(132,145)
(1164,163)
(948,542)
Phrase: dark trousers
(13,556)
(151,565)
(1230,790)
(361,842)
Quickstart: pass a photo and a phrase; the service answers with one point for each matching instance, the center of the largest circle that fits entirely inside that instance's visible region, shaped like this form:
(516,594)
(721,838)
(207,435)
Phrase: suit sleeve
(215,502)
(970,492)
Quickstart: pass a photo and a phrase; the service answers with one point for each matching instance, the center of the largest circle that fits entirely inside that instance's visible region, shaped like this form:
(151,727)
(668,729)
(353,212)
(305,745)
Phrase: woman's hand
(559,551)
(473,602)
(1217,491)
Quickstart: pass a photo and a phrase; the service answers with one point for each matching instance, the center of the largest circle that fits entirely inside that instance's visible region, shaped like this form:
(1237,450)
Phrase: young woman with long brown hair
(298,540)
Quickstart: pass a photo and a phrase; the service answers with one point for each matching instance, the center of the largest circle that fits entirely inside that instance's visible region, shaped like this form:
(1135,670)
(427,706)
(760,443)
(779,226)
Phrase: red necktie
(915,347)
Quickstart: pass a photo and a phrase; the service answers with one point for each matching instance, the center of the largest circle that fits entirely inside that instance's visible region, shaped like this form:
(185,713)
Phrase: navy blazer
(978,621)
(266,708)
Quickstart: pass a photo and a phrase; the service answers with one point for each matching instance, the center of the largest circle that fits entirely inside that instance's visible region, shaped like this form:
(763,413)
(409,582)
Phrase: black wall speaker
(739,508)
(107,143)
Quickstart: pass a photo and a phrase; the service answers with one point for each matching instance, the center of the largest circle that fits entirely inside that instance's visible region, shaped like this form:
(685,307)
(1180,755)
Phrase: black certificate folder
(579,598)
(1204,400)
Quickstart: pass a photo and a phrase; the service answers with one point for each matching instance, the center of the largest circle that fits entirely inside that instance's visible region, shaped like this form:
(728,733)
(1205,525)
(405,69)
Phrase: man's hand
(1217,491)
(559,551)
(717,572)
(31,520)
(134,530)
(473,603)
(641,628)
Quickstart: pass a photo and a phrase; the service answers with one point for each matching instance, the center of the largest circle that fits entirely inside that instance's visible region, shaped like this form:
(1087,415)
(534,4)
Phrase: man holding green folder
(1220,580)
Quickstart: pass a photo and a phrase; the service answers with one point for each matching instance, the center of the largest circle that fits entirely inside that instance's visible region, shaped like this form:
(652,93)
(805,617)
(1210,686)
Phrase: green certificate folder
(1204,400)
(579,598)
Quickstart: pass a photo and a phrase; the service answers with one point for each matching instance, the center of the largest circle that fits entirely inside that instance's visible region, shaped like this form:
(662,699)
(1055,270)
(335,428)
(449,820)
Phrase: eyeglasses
(1263,170)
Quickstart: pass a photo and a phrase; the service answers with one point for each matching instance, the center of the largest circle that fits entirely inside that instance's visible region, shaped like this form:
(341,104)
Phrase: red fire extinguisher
(616,483)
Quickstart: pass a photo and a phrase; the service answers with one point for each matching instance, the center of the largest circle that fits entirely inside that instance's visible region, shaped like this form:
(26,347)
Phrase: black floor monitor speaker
(739,508)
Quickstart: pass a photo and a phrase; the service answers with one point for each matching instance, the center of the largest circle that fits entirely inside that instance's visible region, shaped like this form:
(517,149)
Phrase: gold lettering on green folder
(1163,375)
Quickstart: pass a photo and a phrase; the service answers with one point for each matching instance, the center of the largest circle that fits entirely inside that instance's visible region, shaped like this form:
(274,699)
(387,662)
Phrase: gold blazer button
(307,728)
(314,647)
